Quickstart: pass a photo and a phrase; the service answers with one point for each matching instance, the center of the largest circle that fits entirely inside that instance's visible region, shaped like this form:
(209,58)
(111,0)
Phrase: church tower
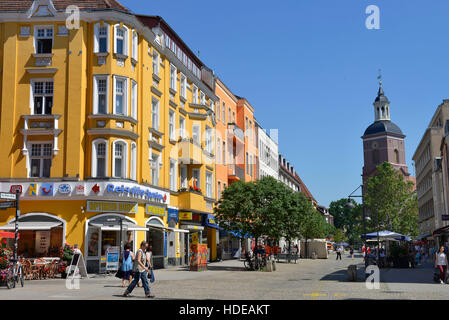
(383,140)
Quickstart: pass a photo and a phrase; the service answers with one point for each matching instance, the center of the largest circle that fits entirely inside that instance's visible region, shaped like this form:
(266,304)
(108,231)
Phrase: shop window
(93,242)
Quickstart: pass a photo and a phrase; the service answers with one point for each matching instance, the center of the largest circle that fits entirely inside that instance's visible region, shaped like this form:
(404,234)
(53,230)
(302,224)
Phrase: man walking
(140,271)
(339,253)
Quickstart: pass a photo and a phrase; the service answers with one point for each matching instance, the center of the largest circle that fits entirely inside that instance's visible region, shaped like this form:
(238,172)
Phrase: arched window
(99,158)
(120,159)
(396,155)
(376,156)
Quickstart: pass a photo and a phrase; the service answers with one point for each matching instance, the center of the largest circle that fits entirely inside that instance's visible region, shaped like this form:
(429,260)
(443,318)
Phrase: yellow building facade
(105,127)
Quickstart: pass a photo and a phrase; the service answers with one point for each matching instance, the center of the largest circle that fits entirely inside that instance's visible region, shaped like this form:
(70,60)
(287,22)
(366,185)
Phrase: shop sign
(135,191)
(47,189)
(210,221)
(79,189)
(112,258)
(173,214)
(155,210)
(65,188)
(96,188)
(32,190)
(113,207)
(185,216)
(15,188)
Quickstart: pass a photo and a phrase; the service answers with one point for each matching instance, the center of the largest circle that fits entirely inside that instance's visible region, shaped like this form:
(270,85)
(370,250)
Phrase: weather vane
(379,77)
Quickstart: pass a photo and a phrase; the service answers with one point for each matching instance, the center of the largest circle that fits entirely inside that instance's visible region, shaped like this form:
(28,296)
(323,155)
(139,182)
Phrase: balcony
(191,200)
(236,173)
(235,131)
(190,152)
(40,125)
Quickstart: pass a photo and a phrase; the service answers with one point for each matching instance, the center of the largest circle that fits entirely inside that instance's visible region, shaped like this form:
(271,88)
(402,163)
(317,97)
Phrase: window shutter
(115,40)
(96,38)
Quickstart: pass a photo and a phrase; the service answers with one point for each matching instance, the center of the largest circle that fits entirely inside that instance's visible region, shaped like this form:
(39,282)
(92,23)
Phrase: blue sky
(310,69)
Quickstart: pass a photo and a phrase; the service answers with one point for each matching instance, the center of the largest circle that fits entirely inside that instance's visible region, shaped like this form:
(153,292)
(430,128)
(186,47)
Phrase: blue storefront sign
(135,191)
(172,214)
(209,221)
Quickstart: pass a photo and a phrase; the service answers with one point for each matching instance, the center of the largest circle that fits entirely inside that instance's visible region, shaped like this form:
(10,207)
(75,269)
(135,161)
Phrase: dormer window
(44,39)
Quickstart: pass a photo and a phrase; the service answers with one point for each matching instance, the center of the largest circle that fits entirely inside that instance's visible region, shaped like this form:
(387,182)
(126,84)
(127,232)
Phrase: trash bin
(352,272)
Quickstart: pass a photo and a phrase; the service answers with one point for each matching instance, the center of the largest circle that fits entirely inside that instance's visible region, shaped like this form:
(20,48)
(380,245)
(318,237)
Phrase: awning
(192,227)
(32,225)
(180,230)
(129,227)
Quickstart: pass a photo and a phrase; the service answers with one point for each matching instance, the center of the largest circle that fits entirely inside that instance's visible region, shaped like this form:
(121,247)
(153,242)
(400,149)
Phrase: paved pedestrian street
(307,280)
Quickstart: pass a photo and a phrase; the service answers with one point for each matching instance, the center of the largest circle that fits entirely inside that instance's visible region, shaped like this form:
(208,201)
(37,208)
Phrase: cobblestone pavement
(322,279)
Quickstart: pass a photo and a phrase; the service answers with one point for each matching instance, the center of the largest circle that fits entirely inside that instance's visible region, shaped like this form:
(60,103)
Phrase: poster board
(198,257)
(112,258)
(42,241)
(77,266)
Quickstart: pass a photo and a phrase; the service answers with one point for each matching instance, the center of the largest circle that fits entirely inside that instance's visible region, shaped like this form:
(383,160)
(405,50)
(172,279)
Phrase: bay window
(120,96)
(121,40)
(99,158)
(101,38)
(100,95)
(134,99)
(120,159)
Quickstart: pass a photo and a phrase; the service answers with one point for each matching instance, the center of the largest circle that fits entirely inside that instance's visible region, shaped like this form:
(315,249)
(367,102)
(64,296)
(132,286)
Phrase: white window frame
(194,94)
(171,125)
(198,138)
(182,127)
(95,90)
(209,184)
(134,99)
(156,63)
(36,37)
(155,102)
(183,86)
(198,185)
(135,45)
(184,178)
(125,39)
(202,98)
(208,139)
(95,143)
(97,37)
(173,76)
(33,94)
(124,158)
(125,95)
(154,164)
(41,157)
(133,171)
(173,175)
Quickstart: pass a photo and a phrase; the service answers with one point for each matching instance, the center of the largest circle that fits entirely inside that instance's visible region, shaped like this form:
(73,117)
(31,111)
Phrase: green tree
(347,219)
(313,225)
(391,200)
(339,236)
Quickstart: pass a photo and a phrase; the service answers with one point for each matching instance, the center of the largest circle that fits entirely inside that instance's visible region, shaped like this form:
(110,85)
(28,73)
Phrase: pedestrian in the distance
(140,271)
(338,253)
(127,265)
(351,251)
(441,264)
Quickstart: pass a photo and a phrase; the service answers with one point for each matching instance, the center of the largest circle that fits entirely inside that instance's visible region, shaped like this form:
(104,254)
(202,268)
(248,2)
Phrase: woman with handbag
(127,265)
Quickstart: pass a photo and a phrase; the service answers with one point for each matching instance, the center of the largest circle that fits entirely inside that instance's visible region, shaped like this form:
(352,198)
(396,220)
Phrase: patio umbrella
(386,235)
(344,244)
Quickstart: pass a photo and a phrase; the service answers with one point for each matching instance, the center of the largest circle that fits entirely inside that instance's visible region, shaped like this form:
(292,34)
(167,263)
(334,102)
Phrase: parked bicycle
(255,262)
(15,274)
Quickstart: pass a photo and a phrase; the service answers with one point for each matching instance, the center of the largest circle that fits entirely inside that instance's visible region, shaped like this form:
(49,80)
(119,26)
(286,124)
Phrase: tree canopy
(393,199)
(349,220)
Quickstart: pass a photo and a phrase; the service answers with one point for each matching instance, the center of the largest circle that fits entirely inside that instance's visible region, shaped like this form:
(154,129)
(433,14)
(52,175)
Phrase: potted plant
(5,254)
(66,255)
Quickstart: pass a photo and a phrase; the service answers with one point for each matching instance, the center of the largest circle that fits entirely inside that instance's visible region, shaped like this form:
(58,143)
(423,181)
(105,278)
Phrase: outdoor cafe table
(41,263)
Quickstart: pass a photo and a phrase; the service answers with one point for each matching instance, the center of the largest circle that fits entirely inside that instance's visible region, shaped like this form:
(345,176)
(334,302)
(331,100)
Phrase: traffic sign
(7,204)
(8,196)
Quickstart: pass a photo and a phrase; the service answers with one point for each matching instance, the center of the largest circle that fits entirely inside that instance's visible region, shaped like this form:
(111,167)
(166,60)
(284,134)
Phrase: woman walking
(441,263)
(140,271)
(127,266)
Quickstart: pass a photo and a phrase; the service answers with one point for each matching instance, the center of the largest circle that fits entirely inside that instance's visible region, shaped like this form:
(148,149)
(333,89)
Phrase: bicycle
(249,262)
(15,274)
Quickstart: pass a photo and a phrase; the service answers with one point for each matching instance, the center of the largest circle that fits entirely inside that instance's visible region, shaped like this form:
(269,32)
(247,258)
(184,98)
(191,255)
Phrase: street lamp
(350,205)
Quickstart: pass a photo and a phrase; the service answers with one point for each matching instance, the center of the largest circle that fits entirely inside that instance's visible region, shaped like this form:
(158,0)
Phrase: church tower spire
(381,105)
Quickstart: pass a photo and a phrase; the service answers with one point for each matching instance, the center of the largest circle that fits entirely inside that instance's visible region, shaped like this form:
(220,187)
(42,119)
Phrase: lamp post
(350,205)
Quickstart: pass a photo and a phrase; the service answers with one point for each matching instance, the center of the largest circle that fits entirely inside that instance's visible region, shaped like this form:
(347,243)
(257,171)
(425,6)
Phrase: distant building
(267,164)
(429,181)
(325,212)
